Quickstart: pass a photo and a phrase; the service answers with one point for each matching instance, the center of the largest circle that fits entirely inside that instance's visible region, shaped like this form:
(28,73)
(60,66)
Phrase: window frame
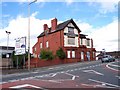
(47,44)
(81,41)
(69,41)
(73,53)
(68,54)
(71,30)
(88,42)
(41,45)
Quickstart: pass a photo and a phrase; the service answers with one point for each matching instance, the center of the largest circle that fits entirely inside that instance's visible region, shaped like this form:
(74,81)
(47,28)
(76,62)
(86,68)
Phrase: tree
(46,55)
(60,53)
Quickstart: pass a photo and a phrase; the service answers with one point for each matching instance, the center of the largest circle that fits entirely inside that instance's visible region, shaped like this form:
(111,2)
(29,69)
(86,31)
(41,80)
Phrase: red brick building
(66,35)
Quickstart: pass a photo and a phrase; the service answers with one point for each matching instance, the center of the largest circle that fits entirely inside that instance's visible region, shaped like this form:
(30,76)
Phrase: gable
(62,26)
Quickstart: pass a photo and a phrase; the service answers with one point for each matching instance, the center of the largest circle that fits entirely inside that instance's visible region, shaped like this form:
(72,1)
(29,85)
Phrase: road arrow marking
(93,71)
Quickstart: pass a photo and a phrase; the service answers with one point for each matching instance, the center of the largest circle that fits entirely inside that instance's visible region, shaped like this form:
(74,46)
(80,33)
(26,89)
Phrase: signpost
(20,48)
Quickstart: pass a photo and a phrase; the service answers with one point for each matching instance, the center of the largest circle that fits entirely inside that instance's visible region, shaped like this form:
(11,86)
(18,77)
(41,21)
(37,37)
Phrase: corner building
(66,35)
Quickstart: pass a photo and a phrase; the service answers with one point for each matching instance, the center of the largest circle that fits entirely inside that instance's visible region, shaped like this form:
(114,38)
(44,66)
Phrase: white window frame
(68,54)
(81,41)
(69,41)
(88,42)
(71,30)
(82,55)
(47,44)
(35,49)
(73,54)
(93,54)
(40,45)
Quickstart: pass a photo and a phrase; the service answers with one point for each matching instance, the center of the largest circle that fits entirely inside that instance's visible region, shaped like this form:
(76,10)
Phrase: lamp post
(8,33)
(29,33)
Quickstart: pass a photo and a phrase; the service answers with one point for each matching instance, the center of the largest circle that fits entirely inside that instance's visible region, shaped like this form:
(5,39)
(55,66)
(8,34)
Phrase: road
(92,74)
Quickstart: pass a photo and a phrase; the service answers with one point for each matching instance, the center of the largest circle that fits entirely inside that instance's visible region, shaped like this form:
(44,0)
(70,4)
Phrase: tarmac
(6,71)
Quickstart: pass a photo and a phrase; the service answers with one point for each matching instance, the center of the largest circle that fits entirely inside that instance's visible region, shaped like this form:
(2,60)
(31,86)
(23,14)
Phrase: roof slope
(61,26)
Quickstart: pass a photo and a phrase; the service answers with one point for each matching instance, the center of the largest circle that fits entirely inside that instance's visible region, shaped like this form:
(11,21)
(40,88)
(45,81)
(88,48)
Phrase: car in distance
(107,58)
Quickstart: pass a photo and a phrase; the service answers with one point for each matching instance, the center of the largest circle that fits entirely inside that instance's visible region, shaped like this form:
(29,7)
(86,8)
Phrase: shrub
(46,54)
(60,53)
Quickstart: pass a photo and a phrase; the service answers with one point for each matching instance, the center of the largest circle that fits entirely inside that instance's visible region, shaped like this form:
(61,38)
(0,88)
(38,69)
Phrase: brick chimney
(54,24)
(45,27)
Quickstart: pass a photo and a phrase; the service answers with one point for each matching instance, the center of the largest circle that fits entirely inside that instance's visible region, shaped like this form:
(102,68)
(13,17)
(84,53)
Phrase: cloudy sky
(96,18)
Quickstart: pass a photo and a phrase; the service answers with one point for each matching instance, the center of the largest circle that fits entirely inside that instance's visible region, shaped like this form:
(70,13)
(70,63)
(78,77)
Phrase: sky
(96,18)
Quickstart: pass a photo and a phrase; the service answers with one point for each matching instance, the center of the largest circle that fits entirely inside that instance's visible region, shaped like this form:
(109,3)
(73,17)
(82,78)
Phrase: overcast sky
(96,18)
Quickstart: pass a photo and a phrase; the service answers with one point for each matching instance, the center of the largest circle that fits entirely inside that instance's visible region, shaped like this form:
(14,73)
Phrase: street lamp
(8,33)
(29,33)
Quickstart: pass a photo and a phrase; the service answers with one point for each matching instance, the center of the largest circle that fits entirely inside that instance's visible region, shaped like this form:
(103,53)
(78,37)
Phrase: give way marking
(93,71)
(26,86)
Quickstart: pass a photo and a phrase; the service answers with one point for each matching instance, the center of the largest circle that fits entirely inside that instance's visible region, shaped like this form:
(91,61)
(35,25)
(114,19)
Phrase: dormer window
(71,30)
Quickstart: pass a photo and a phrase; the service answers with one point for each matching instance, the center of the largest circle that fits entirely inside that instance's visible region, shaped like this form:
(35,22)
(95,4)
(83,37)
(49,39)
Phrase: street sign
(20,46)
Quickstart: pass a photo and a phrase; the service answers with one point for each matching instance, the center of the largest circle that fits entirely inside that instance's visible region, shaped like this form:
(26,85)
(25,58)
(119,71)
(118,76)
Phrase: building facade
(5,56)
(66,35)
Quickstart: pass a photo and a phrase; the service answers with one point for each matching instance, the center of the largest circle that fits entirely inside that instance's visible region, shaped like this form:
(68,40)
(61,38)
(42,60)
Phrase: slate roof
(61,26)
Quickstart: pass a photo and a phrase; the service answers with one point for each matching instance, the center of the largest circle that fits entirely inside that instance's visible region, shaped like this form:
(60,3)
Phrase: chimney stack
(45,26)
(54,24)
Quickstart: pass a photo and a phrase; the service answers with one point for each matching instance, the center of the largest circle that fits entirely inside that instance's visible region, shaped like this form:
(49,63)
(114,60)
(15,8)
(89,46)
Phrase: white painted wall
(66,42)
(66,30)
(66,37)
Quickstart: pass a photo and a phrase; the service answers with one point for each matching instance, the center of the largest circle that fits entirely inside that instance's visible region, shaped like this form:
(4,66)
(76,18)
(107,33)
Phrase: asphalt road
(92,74)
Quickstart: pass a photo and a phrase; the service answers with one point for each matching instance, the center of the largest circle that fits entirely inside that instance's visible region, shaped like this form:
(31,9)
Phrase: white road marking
(110,67)
(34,72)
(104,83)
(115,65)
(118,77)
(93,71)
(75,69)
(25,85)
(13,80)
(73,76)
(54,81)
(54,74)
(95,86)
(2,82)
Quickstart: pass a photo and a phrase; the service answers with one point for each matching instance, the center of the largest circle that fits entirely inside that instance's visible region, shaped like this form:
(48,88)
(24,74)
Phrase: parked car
(107,58)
